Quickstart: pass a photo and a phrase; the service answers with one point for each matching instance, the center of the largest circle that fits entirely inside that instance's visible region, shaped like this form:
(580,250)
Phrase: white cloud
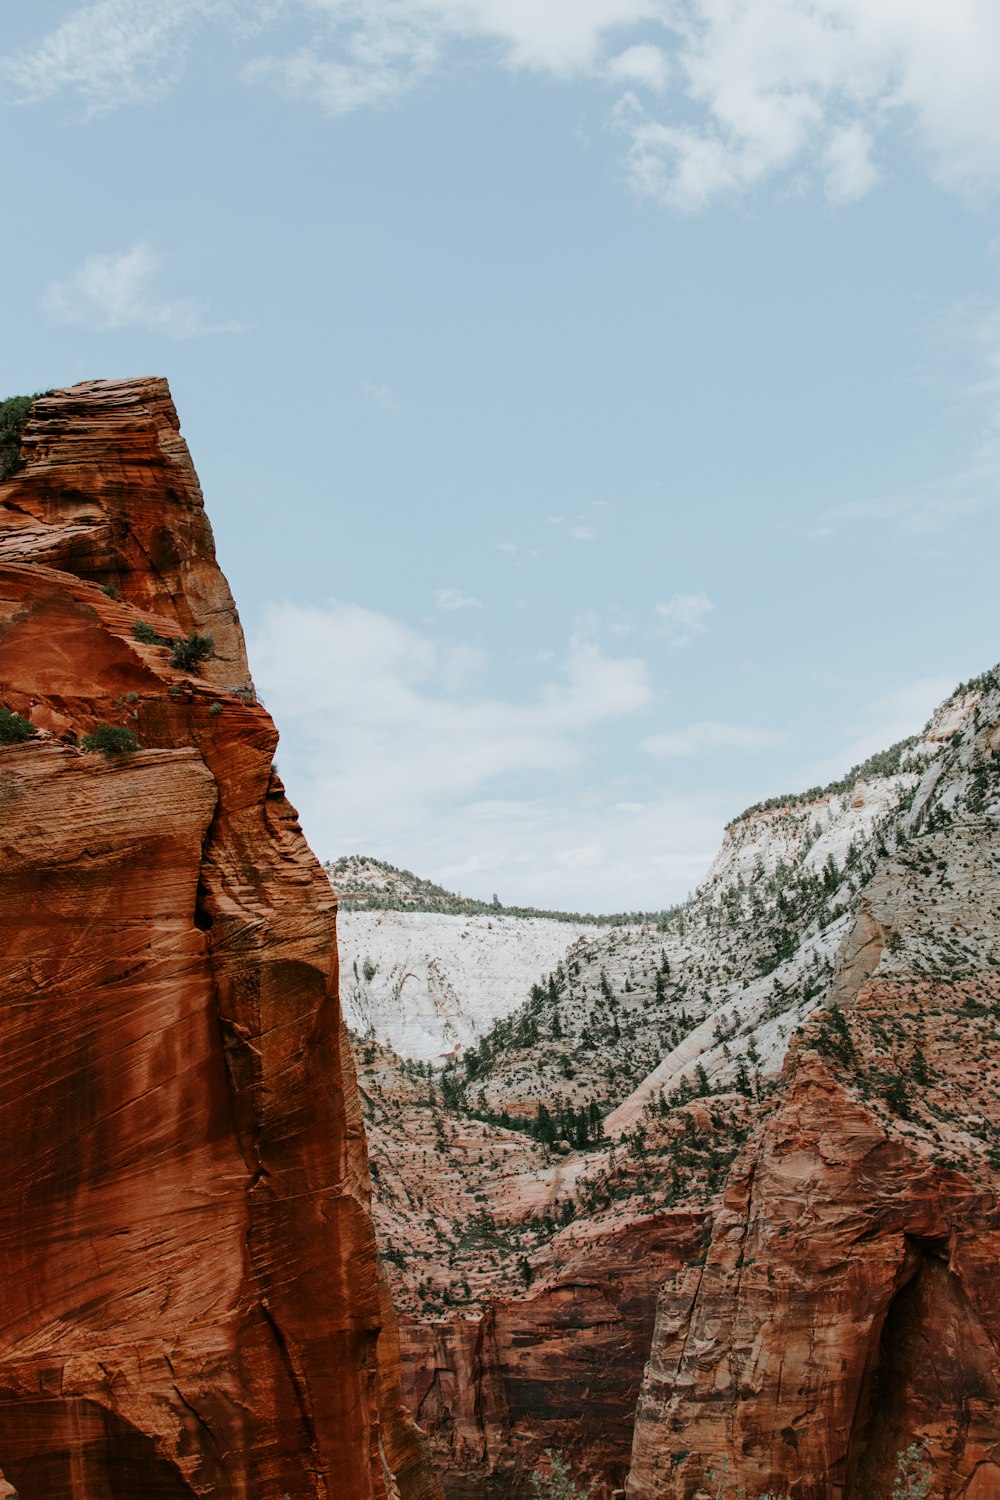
(782,85)
(366,692)
(116,291)
(754,88)
(381,395)
(849,171)
(563,37)
(452,599)
(683,617)
(643,64)
(583,534)
(692,739)
(387,750)
(585,852)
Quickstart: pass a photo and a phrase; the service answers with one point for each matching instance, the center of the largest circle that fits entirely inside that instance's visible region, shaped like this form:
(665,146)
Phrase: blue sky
(596,401)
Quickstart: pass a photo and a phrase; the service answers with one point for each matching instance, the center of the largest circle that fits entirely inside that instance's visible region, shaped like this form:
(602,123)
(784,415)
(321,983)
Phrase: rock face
(529,1277)
(556,1369)
(849,1305)
(190,1298)
(426,983)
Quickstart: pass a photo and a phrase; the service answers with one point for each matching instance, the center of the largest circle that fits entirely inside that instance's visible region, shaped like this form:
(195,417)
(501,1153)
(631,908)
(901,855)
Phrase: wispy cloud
(683,617)
(968,333)
(113,53)
(709,734)
(720,96)
(384,758)
(381,395)
(454,599)
(117,290)
(375,61)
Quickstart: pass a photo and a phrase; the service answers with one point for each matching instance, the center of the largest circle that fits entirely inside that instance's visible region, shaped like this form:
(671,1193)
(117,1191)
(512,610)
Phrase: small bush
(144,632)
(111,739)
(14,728)
(558,1484)
(215,708)
(13,415)
(913,1474)
(190,651)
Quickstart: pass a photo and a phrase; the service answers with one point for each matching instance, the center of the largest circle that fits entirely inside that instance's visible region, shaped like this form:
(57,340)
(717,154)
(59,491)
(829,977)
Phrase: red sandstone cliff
(189,1298)
(559,1368)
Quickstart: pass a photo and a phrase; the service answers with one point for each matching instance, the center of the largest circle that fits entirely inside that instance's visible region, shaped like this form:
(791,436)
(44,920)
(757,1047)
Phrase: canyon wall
(190,1297)
(557,1369)
(849,1305)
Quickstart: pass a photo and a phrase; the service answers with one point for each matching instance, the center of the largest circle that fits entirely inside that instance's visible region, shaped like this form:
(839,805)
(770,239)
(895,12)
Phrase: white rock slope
(425,983)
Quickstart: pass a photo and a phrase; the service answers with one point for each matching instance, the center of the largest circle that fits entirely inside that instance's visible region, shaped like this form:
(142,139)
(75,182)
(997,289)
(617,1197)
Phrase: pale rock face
(426,983)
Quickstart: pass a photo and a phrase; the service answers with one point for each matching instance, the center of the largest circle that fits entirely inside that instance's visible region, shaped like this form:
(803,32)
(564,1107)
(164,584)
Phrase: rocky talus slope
(190,1300)
(725,1047)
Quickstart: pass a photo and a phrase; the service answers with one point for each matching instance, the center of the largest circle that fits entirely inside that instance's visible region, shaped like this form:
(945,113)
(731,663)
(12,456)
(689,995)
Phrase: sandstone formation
(849,1304)
(529,1277)
(190,1299)
(557,1369)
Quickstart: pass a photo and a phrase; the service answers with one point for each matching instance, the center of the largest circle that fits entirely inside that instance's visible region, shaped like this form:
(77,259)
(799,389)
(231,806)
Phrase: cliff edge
(190,1296)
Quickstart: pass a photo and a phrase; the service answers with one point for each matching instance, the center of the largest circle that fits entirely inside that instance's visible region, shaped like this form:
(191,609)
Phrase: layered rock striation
(190,1297)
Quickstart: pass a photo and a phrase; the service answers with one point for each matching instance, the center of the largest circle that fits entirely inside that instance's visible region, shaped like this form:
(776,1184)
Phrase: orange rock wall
(559,1368)
(190,1299)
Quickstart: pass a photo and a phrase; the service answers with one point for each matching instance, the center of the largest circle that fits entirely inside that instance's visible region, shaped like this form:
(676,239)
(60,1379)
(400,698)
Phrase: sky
(597,402)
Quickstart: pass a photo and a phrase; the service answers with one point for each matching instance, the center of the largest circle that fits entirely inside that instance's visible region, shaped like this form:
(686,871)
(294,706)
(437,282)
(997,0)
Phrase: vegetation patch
(190,651)
(14,728)
(144,632)
(558,1483)
(13,415)
(110,740)
(418,894)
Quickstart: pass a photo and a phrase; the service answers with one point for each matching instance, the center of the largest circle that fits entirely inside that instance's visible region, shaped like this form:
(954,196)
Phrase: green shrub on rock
(558,1483)
(13,415)
(110,739)
(144,632)
(914,1475)
(190,651)
(15,728)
